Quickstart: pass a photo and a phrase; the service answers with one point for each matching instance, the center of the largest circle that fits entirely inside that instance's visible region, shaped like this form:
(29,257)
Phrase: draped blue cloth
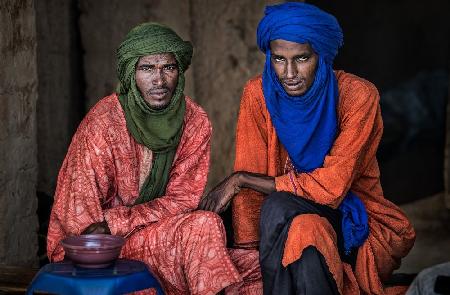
(307,125)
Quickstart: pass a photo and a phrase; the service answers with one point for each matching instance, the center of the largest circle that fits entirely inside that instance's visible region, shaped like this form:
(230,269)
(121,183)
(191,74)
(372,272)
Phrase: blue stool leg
(159,290)
(156,285)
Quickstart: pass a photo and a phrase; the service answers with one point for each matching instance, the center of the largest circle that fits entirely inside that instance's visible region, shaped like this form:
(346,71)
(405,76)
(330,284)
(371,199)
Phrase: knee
(312,225)
(277,200)
(276,204)
(202,218)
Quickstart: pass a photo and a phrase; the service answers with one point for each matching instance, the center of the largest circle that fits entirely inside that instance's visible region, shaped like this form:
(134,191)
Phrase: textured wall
(226,56)
(61,104)
(18,166)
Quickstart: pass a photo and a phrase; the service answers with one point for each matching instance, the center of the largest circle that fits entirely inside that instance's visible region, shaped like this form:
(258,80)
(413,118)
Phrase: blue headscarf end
(355,227)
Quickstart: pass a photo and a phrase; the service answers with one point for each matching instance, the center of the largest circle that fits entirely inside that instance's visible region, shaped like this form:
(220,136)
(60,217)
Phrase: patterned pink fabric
(99,180)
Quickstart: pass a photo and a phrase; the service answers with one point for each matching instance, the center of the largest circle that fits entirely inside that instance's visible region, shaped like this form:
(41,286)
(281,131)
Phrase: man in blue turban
(307,190)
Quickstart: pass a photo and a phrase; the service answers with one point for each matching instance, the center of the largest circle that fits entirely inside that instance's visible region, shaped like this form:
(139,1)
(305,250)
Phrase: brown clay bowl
(93,251)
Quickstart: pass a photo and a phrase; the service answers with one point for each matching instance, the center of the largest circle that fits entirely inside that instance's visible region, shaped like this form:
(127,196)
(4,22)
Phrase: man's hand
(97,228)
(219,198)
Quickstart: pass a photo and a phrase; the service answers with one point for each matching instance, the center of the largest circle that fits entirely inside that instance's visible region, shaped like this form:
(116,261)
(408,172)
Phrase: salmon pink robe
(350,165)
(100,180)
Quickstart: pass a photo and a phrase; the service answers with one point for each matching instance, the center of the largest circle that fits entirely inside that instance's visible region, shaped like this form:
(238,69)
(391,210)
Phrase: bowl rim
(120,241)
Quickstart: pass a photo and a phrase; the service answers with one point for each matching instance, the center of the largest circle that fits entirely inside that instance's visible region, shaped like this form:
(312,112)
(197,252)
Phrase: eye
(302,58)
(170,68)
(278,59)
(146,68)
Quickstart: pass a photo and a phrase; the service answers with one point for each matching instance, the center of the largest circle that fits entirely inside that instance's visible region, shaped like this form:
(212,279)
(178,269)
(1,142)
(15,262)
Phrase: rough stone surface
(60,105)
(18,165)
(226,56)
(104,24)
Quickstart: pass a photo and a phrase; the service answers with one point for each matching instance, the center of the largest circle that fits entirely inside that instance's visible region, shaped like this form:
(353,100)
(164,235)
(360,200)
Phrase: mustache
(157,90)
(292,81)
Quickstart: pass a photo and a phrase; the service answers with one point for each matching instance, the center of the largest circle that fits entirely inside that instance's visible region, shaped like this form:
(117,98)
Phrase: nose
(158,79)
(291,70)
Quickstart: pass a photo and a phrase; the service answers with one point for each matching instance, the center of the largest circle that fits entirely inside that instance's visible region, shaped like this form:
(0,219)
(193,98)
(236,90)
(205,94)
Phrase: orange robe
(100,180)
(350,165)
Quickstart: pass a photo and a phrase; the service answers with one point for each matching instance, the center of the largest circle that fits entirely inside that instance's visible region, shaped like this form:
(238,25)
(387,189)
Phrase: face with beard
(294,64)
(156,78)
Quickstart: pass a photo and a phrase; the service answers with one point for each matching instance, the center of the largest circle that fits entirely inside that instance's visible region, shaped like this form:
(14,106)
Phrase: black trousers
(308,275)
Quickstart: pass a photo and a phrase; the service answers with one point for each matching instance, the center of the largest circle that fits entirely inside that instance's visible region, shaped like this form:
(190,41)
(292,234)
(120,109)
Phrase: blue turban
(307,125)
(301,23)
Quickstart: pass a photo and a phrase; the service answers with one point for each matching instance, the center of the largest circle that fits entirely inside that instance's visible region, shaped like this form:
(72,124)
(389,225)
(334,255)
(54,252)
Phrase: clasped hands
(97,228)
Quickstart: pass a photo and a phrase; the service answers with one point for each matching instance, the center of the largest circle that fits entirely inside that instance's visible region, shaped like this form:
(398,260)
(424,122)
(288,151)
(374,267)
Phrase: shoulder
(196,117)
(356,92)
(253,95)
(105,116)
(107,108)
(254,84)
(253,88)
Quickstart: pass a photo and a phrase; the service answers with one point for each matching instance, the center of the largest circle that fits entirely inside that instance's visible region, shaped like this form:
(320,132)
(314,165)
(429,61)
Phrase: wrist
(241,179)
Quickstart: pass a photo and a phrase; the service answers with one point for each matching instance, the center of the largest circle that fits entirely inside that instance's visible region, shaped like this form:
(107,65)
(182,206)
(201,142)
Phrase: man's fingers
(216,207)
(202,203)
(95,229)
(211,205)
(222,205)
(226,206)
(90,229)
(206,204)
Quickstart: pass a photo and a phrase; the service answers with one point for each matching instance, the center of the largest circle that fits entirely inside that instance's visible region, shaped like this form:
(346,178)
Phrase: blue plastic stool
(124,276)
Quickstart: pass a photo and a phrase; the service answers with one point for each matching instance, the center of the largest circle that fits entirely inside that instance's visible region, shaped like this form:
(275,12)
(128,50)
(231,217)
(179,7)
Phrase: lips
(158,93)
(293,85)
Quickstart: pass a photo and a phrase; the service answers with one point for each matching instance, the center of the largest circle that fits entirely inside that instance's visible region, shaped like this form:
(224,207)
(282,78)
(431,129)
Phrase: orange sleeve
(251,135)
(360,130)
(251,155)
(78,196)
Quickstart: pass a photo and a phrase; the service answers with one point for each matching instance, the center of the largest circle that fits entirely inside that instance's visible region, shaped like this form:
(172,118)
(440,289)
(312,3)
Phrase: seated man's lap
(177,248)
(176,231)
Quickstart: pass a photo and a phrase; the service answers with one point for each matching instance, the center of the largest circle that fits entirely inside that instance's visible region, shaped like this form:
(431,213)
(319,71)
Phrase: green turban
(159,130)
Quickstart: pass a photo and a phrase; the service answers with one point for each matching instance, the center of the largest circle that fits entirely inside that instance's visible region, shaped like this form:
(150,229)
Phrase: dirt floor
(432,223)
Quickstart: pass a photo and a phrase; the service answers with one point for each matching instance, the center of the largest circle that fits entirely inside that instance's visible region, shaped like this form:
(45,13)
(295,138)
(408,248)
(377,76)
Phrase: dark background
(403,48)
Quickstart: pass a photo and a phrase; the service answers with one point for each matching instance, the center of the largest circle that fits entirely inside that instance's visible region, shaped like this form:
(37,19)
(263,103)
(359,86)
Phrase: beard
(158,107)
(157,104)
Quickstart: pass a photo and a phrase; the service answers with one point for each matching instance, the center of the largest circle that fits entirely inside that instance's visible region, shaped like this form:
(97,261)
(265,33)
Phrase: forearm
(258,182)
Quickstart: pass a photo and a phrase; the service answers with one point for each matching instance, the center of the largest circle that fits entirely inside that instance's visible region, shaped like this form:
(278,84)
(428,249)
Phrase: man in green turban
(137,167)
